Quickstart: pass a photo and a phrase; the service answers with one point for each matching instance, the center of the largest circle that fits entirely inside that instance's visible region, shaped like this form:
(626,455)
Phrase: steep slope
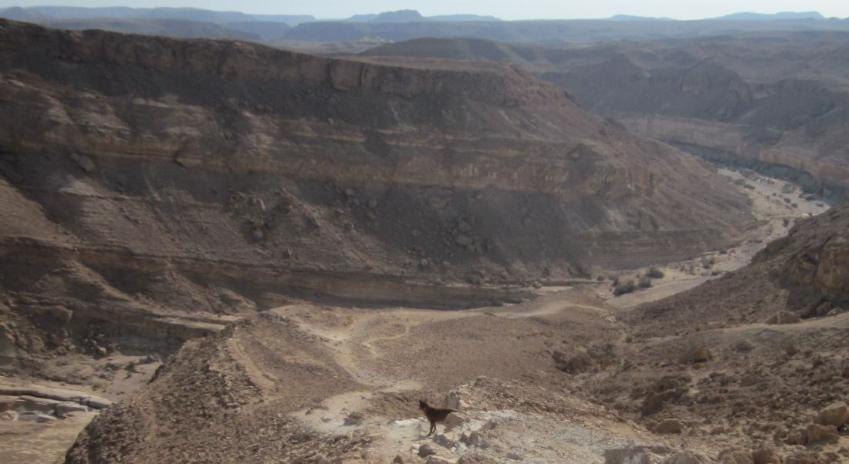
(177,177)
(755,361)
(774,101)
(804,274)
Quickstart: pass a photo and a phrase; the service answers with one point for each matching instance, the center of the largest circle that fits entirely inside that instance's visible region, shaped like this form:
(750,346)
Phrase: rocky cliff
(773,101)
(214,176)
(801,276)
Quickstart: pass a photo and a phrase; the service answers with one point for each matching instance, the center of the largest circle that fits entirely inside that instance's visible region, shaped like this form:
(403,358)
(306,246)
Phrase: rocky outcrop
(813,261)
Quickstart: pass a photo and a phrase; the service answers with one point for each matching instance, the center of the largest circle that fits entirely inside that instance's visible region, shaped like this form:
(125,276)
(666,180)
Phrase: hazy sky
(515,9)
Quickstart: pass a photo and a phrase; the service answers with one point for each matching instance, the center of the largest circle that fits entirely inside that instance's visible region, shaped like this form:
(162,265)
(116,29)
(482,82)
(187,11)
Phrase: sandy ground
(364,342)
(776,205)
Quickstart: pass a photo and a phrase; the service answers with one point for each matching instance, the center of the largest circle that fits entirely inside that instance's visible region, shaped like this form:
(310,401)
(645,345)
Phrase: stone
(64,409)
(355,418)
(766,456)
(454,420)
(437,460)
(514,456)
(629,455)
(803,457)
(426,450)
(668,426)
(816,433)
(474,439)
(8,416)
(696,354)
(835,414)
(735,456)
(685,457)
(96,403)
(454,400)
(84,162)
(442,440)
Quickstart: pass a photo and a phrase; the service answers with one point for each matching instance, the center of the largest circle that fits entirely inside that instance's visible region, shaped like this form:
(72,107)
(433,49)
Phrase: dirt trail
(363,340)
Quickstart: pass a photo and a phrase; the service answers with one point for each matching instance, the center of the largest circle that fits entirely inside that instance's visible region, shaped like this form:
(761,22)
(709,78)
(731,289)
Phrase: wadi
(225,248)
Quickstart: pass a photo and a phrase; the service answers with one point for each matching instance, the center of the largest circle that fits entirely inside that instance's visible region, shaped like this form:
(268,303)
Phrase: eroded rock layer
(220,176)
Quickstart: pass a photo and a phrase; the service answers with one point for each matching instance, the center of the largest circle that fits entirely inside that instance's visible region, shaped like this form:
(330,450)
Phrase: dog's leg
(432,428)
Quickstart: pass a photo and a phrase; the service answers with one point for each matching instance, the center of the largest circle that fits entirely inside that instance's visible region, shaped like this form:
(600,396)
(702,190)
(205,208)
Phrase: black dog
(434,415)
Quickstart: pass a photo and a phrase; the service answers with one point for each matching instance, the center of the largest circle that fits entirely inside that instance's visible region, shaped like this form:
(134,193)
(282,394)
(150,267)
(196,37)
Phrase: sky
(505,9)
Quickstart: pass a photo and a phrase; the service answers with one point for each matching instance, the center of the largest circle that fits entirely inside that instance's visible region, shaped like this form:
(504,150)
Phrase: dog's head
(423,405)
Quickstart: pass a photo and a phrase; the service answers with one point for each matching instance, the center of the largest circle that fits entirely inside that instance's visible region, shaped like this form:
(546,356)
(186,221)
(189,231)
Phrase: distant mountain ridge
(393,26)
(780,16)
(410,16)
(57,13)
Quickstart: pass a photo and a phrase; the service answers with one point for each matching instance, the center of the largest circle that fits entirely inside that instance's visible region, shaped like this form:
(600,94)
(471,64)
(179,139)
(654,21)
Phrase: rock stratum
(217,177)
(294,152)
(775,101)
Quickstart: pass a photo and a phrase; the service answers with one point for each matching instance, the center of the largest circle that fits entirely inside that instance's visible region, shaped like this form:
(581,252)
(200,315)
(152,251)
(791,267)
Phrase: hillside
(707,376)
(773,101)
(158,183)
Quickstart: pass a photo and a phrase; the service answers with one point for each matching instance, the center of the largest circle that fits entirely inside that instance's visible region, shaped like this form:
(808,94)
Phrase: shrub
(645,282)
(655,273)
(623,288)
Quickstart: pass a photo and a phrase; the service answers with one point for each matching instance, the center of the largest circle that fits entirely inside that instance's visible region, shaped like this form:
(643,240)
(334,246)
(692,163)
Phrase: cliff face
(805,273)
(774,101)
(217,176)
(813,260)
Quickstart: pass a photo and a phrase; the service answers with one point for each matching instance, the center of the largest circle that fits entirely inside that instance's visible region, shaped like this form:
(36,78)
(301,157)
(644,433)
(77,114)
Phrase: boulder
(668,426)
(474,439)
(8,416)
(816,433)
(629,455)
(426,450)
(766,456)
(442,440)
(835,414)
